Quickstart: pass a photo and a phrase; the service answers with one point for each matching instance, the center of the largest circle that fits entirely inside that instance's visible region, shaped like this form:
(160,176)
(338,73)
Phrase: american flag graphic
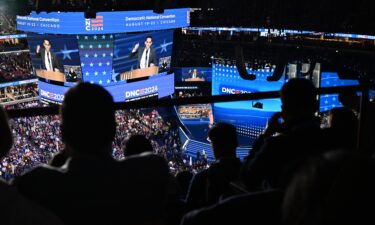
(97,22)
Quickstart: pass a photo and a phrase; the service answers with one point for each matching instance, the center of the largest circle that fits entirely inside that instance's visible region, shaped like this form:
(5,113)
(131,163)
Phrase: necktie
(146,59)
(49,61)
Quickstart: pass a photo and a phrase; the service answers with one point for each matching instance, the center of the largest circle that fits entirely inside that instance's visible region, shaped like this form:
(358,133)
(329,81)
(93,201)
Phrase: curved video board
(104,23)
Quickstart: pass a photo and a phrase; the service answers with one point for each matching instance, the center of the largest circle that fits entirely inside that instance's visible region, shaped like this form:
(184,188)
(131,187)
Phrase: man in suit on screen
(146,56)
(49,59)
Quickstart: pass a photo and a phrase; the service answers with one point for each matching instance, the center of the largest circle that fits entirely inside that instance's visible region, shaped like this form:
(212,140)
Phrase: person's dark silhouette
(274,159)
(183,178)
(14,208)
(334,188)
(343,126)
(137,144)
(85,190)
(351,100)
(208,186)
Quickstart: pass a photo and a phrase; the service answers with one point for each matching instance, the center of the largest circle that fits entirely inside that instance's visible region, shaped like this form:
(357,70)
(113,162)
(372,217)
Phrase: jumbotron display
(104,50)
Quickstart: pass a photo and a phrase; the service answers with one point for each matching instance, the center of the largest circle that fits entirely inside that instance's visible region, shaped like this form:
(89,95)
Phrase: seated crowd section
(95,165)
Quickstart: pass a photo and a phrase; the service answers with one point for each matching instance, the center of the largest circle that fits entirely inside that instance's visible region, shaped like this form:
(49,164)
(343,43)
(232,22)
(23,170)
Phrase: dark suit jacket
(280,157)
(85,191)
(55,62)
(255,208)
(209,185)
(139,53)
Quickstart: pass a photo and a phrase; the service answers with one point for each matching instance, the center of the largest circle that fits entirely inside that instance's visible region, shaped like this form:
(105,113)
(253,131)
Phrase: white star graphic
(95,37)
(104,55)
(103,37)
(95,55)
(96,73)
(104,73)
(99,46)
(100,82)
(87,55)
(164,46)
(82,64)
(107,45)
(87,73)
(100,64)
(114,75)
(82,46)
(90,46)
(67,52)
(86,37)
(108,63)
(91,64)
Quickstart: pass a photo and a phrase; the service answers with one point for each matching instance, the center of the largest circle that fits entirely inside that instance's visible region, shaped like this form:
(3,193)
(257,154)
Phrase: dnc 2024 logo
(96,24)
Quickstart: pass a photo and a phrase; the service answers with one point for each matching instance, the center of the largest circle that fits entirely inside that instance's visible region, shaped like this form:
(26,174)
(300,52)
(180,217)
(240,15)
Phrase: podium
(194,79)
(138,73)
(50,75)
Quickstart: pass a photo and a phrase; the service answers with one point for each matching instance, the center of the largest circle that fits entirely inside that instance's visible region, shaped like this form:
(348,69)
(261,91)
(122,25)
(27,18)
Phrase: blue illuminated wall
(249,120)
(162,42)
(96,52)
(331,79)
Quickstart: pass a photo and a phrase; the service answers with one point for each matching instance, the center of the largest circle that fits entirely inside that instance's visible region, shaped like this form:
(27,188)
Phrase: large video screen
(142,55)
(55,57)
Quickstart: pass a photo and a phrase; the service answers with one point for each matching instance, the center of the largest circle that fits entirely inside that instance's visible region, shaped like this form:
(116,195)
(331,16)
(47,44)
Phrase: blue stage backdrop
(162,42)
(104,23)
(331,79)
(250,117)
(96,53)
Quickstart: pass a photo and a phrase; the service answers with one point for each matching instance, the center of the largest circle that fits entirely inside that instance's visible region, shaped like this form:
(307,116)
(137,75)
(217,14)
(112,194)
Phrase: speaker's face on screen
(47,45)
(148,42)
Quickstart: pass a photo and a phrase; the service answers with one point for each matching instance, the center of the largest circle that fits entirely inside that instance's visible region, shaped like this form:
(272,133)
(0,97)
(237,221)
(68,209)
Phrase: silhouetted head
(343,118)
(298,97)
(334,188)
(349,99)
(6,139)
(223,138)
(88,123)
(137,144)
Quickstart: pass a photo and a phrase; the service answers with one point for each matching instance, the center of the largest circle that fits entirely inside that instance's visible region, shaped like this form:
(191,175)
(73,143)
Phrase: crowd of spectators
(8,25)
(196,111)
(15,66)
(13,44)
(37,140)
(184,94)
(14,93)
